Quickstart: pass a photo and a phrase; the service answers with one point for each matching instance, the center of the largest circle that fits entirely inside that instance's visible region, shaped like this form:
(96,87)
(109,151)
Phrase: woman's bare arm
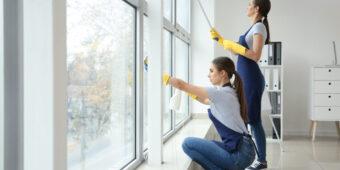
(205,101)
(255,53)
(200,92)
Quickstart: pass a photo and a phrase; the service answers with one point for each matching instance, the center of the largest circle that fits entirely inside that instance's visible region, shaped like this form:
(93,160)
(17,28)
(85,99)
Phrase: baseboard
(200,116)
(330,133)
(305,133)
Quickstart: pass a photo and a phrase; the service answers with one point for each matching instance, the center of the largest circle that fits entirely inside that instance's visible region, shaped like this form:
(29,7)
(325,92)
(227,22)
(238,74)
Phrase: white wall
(45,79)
(306,29)
(201,48)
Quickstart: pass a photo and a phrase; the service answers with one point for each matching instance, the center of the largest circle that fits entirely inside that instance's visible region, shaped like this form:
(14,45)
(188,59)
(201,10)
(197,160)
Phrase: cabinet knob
(329,96)
(329,109)
(329,83)
(330,70)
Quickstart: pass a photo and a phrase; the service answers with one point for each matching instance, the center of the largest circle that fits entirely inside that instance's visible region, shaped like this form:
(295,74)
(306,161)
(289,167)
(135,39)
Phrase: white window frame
(175,27)
(45,77)
(165,138)
(178,31)
(139,56)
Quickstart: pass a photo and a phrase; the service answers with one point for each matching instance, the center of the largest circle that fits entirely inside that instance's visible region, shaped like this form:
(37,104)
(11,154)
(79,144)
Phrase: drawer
(326,86)
(327,100)
(326,73)
(326,113)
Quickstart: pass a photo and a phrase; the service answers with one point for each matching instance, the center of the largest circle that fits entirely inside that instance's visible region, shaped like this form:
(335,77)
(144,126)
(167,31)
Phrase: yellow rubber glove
(227,44)
(166,78)
(216,36)
(191,95)
(231,45)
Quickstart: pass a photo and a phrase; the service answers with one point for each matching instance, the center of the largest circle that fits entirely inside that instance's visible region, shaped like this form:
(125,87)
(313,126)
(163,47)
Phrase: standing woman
(228,112)
(249,49)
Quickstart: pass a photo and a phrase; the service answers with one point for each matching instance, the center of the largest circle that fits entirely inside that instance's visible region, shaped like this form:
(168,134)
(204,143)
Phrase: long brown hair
(226,64)
(264,8)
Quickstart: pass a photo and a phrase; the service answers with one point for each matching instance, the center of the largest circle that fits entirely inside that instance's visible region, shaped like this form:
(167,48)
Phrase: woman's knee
(188,143)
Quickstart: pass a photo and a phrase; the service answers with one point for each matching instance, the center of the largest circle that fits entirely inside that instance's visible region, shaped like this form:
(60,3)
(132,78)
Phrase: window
(167,57)
(182,72)
(101,84)
(101,65)
(183,13)
(167,9)
(176,43)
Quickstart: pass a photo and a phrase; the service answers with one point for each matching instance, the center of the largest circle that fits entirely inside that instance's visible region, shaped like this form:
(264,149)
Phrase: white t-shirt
(258,28)
(225,107)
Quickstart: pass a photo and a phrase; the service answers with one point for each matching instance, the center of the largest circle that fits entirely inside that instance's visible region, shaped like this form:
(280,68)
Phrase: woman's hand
(216,36)
(227,44)
(166,78)
(192,90)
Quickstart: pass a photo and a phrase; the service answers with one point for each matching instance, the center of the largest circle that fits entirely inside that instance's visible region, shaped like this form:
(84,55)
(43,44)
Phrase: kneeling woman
(228,112)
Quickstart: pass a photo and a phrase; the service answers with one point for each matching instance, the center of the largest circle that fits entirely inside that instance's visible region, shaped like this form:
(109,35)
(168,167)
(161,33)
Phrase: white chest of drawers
(325,96)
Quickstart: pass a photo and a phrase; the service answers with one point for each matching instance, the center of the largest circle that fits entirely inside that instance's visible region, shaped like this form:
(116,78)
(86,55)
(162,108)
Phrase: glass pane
(166,89)
(168,9)
(182,72)
(101,97)
(145,78)
(183,13)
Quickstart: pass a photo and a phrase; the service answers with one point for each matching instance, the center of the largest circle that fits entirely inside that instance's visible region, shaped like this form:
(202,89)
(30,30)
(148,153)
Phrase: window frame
(171,72)
(138,82)
(178,31)
(137,87)
(175,123)
(140,154)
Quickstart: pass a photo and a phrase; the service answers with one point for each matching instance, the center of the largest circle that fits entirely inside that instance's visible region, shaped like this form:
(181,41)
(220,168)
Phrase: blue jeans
(211,156)
(260,139)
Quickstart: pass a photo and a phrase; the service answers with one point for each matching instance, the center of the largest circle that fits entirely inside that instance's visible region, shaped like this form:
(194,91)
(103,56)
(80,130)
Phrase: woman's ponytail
(225,63)
(264,8)
(266,24)
(238,86)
